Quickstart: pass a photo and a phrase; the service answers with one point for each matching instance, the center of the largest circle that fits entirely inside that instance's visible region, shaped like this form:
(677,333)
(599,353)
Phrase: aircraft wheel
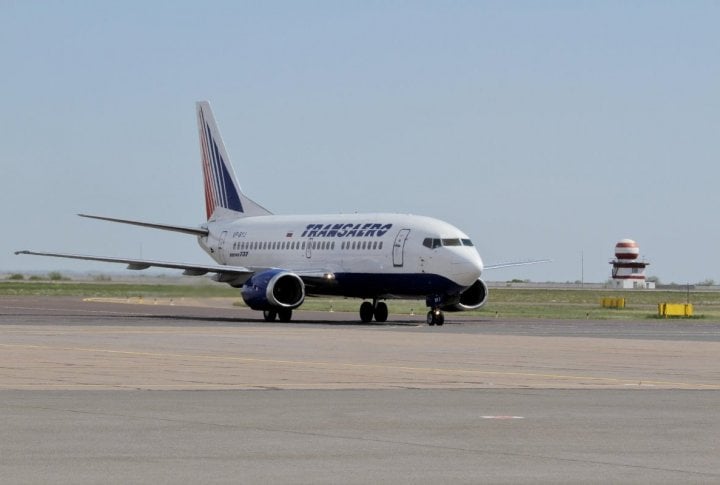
(285,315)
(435,317)
(269,315)
(381,312)
(366,312)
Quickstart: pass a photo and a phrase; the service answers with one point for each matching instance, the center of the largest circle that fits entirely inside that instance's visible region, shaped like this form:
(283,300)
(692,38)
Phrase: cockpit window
(451,242)
(431,243)
(467,242)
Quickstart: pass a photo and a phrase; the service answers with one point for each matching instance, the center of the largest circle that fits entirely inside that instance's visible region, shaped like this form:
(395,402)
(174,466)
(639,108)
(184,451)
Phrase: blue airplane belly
(369,285)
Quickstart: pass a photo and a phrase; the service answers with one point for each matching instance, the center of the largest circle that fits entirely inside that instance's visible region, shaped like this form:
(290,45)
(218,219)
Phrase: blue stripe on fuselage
(374,285)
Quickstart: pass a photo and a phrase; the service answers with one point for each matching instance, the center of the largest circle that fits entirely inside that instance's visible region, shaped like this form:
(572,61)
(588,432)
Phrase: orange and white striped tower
(627,270)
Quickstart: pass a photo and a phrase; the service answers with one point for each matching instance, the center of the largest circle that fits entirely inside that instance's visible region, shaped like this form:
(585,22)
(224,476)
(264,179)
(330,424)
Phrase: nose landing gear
(376,309)
(435,317)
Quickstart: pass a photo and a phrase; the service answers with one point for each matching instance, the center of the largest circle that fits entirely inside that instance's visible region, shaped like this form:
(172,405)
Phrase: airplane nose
(468,268)
(479,265)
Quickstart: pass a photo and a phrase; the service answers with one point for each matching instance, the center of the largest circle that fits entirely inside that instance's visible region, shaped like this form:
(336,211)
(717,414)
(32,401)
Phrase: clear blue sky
(542,129)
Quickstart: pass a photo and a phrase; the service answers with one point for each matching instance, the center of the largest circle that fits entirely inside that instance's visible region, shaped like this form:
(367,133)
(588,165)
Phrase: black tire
(285,315)
(431,318)
(269,315)
(440,320)
(381,312)
(366,312)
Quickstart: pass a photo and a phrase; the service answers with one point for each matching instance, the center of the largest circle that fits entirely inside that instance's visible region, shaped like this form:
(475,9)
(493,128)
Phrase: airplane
(278,260)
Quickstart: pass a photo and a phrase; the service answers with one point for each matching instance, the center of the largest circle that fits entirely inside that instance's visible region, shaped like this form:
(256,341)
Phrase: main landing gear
(285,315)
(435,317)
(376,309)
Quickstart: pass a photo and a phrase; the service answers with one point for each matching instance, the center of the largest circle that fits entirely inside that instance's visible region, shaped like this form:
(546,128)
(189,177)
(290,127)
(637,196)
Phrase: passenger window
(380,245)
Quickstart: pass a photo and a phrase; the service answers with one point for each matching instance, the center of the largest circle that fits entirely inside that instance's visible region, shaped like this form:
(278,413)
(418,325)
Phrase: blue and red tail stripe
(220,186)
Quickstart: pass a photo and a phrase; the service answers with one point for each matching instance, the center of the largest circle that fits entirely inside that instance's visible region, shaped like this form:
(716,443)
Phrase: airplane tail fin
(223,196)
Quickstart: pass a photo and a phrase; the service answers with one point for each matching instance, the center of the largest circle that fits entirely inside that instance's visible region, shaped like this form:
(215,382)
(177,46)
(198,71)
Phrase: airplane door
(308,248)
(399,247)
(221,243)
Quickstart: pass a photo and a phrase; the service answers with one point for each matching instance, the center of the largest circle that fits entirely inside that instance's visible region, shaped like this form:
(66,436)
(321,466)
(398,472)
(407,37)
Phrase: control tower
(627,270)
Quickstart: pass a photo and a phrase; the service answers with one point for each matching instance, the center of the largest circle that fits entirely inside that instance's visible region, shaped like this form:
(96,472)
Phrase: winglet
(223,196)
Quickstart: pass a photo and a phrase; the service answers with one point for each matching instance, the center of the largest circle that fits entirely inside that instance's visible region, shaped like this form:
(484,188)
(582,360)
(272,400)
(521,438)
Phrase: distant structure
(627,270)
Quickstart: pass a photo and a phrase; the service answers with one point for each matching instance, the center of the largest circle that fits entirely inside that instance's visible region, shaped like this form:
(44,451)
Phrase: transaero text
(346,230)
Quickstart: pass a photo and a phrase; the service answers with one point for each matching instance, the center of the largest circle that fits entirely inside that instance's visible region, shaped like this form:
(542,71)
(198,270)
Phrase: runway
(95,391)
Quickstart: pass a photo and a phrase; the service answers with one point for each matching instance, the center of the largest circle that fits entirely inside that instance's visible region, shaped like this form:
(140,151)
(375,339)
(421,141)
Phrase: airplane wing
(225,274)
(516,263)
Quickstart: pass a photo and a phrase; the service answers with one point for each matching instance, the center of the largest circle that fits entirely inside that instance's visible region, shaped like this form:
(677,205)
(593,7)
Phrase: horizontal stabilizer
(196,231)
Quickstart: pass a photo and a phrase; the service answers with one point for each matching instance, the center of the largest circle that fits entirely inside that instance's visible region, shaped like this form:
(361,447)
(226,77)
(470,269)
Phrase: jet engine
(471,299)
(273,289)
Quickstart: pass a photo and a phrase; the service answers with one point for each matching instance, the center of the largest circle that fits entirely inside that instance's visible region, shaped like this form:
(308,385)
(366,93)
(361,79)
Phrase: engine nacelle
(273,289)
(470,299)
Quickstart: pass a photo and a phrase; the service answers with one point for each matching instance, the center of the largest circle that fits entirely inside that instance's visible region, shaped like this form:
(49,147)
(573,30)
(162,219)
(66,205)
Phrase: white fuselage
(367,254)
